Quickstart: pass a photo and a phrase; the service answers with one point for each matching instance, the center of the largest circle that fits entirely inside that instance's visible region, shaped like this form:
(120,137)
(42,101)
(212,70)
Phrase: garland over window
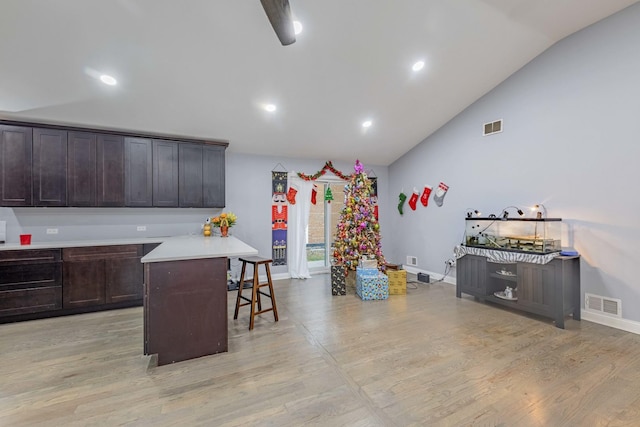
(327,166)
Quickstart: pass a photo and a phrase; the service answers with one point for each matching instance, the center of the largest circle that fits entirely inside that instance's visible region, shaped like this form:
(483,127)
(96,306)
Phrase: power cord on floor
(447,270)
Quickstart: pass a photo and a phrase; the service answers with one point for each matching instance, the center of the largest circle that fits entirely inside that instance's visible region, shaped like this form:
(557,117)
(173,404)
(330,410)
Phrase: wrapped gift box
(338,285)
(397,282)
(370,287)
(367,271)
(368,263)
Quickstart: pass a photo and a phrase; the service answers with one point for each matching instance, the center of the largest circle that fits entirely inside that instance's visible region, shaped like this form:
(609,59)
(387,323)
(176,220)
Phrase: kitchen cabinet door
(190,169)
(82,161)
(110,171)
(165,173)
(16,153)
(49,167)
(83,283)
(213,176)
(124,278)
(138,177)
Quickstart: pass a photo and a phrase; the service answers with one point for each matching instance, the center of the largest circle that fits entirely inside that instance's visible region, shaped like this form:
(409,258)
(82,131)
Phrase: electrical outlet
(52,231)
(451,262)
(411,260)
(141,228)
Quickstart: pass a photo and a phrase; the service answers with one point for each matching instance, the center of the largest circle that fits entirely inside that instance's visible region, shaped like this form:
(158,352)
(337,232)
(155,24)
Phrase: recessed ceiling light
(418,66)
(270,108)
(297,27)
(108,80)
(367,123)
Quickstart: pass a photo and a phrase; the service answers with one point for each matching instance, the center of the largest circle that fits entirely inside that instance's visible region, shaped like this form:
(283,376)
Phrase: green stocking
(403,198)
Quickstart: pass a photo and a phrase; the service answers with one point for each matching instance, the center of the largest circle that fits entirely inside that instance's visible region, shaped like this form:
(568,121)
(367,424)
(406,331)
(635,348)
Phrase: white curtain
(297,227)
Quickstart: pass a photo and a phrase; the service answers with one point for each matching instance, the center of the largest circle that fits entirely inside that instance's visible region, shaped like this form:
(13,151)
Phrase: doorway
(323,220)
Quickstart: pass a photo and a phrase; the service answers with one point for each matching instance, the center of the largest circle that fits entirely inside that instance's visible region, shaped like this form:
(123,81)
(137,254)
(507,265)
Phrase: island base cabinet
(185,309)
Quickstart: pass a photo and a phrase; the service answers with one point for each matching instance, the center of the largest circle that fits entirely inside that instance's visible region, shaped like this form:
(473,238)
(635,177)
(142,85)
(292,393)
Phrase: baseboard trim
(432,275)
(614,322)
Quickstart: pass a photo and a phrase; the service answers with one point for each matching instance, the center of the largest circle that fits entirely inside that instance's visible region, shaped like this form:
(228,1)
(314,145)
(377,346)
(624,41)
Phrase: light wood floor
(426,358)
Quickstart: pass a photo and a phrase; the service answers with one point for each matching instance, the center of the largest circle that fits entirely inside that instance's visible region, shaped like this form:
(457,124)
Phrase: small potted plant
(224,221)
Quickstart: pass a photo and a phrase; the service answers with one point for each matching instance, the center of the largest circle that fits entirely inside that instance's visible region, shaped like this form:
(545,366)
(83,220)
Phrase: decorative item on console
(540,210)
(224,221)
(531,235)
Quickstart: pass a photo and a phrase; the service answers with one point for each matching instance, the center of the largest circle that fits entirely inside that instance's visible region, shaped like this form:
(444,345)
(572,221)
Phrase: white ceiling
(203,68)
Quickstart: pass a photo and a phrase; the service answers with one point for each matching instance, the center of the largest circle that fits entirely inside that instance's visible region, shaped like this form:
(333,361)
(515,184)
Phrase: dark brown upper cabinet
(82,160)
(49,167)
(201,180)
(191,178)
(138,177)
(165,173)
(110,170)
(213,176)
(16,152)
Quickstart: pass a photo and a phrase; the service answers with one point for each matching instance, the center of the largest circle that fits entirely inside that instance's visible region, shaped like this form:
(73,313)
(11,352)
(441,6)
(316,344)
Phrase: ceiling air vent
(492,127)
(604,305)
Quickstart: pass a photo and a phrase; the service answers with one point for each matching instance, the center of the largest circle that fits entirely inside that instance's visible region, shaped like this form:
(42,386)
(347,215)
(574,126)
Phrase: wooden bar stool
(255,289)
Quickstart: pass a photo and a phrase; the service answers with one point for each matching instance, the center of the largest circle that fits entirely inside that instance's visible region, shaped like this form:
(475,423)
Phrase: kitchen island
(185,296)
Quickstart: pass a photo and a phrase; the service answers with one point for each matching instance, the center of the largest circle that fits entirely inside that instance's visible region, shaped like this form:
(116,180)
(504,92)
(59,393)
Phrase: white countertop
(82,243)
(196,247)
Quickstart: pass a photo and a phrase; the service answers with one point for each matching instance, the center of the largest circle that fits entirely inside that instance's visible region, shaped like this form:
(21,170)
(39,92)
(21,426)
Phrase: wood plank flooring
(426,358)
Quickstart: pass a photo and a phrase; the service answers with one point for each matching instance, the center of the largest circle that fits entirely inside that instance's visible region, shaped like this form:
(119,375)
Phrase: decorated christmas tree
(358,231)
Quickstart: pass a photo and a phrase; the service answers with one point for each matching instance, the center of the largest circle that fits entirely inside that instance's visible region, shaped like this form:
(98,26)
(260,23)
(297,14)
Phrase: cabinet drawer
(24,276)
(30,256)
(30,300)
(101,252)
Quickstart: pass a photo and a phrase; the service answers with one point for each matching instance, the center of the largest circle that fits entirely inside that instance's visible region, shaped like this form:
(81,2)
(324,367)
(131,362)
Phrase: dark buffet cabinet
(30,281)
(67,166)
(100,275)
(551,290)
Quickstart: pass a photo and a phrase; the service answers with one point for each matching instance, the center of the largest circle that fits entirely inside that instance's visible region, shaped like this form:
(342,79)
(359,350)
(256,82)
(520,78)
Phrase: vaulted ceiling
(207,68)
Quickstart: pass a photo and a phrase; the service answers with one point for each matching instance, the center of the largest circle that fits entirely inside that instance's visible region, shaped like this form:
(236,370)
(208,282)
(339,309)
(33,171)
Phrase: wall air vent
(603,305)
(411,260)
(492,127)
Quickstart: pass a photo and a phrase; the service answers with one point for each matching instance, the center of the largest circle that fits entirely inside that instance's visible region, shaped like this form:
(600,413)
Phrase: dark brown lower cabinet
(99,275)
(30,281)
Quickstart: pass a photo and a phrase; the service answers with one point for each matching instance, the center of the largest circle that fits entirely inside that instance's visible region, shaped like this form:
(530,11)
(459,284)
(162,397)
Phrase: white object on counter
(196,247)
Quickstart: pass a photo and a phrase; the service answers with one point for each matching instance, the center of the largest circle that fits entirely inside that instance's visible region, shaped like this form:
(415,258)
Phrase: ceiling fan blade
(279,15)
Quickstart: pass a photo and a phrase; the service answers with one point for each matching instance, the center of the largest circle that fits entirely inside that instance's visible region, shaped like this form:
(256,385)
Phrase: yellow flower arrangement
(228,219)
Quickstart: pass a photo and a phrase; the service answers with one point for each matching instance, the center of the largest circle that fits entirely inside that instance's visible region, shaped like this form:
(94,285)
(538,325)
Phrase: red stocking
(291,195)
(425,195)
(314,192)
(414,199)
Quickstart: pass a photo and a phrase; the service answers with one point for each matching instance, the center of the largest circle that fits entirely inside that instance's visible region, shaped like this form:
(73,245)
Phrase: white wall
(571,140)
